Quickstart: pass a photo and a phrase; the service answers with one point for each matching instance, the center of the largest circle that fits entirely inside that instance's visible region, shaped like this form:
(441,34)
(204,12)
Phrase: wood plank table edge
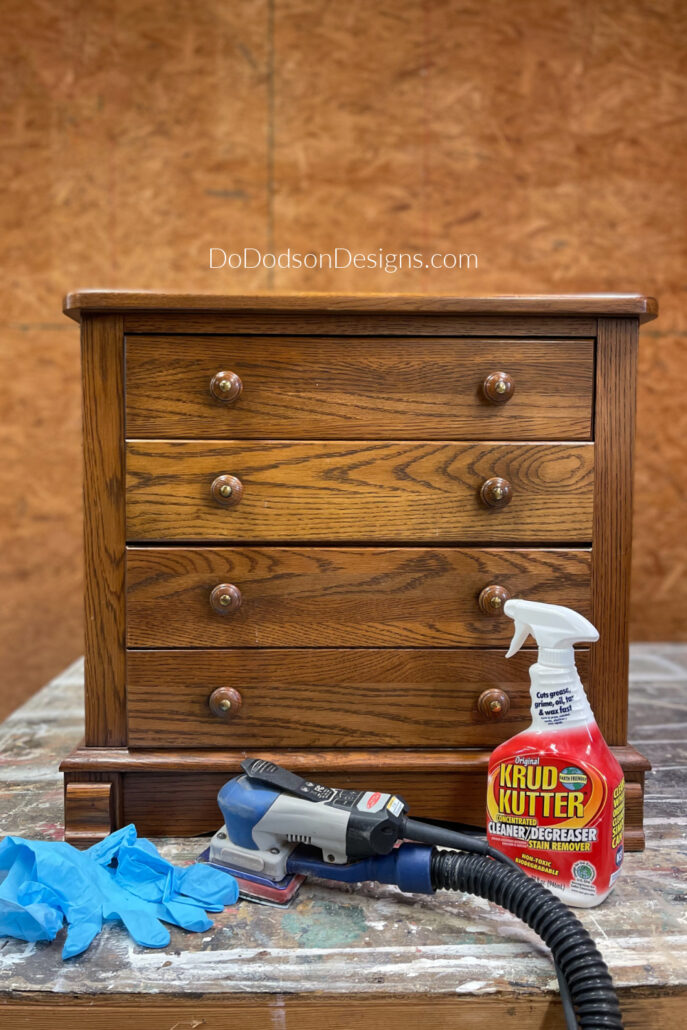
(540,1011)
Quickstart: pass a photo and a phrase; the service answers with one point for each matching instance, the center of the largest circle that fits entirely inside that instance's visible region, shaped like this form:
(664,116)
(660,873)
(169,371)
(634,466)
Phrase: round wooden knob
(498,387)
(496,492)
(225,598)
(226,387)
(227,490)
(493,704)
(224,702)
(492,599)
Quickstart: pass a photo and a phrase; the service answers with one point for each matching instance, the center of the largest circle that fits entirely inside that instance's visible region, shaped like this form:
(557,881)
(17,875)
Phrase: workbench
(340,955)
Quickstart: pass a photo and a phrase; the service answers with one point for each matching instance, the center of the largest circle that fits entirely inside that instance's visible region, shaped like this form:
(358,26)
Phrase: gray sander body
(288,822)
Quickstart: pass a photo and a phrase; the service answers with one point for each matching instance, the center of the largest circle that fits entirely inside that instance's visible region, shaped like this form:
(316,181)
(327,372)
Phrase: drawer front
(329,388)
(169,805)
(323,698)
(358,491)
(210,597)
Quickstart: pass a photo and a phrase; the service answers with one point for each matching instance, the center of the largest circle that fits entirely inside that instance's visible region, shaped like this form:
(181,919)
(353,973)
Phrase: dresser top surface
(595,304)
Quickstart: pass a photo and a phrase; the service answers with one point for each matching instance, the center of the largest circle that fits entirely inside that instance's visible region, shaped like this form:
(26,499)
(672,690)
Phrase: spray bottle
(556,794)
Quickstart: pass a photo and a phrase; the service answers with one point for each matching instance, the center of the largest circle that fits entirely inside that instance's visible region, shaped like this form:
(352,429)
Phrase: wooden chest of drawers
(302,518)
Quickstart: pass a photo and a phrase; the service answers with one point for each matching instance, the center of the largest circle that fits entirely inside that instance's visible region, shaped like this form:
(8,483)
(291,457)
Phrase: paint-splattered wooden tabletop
(368,940)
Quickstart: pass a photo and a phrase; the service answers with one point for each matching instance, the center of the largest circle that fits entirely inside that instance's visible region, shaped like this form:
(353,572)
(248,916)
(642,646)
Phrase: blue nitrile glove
(42,883)
(29,920)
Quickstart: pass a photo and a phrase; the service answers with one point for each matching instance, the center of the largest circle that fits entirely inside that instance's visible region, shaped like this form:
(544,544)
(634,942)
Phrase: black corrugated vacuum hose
(574,952)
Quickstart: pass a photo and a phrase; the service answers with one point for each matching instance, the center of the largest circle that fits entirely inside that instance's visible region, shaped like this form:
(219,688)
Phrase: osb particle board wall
(546,137)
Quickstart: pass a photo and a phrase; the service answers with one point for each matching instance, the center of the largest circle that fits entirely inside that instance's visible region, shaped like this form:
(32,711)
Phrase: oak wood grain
(368,324)
(102,351)
(560,304)
(338,698)
(340,597)
(359,491)
(328,388)
(616,374)
(89,811)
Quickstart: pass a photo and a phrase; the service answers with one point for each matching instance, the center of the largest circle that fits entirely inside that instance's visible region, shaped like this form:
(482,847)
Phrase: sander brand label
(372,801)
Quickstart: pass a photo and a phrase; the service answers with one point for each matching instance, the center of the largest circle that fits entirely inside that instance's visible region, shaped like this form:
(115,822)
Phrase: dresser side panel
(616,376)
(102,350)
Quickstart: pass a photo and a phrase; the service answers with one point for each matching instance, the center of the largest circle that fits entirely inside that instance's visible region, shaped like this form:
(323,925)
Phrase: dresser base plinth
(174,793)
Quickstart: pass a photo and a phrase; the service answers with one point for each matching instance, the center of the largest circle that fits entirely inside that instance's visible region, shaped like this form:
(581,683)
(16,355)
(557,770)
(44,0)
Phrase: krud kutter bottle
(556,794)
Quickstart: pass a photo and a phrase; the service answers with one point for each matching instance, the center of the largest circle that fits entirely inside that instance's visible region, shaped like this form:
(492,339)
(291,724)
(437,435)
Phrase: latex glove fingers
(167,905)
(80,934)
(145,873)
(145,928)
(188,917)
(139,916)
(84,920)
(105,850)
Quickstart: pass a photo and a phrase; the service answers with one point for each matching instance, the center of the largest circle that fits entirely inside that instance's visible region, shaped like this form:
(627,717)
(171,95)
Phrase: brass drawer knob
(498,388)
(226,387)
(492,599)
(227,490)
(496,492)
(493,704)
(225,702)
(225,598)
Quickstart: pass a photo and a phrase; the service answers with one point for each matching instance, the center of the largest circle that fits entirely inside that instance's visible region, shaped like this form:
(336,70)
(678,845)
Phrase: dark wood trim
(599,304)
(362,324)
(102,352)
(616,371)
(331,762)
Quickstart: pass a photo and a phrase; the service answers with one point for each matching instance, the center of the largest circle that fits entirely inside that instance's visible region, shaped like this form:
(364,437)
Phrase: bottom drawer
(325,698)
(186,805)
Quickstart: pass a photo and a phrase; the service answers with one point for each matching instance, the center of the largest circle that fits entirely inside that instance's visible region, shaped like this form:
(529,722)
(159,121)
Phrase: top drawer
(328,388)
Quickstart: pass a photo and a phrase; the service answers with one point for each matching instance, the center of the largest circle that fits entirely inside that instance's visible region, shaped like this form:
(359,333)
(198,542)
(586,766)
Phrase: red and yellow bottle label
(558,818)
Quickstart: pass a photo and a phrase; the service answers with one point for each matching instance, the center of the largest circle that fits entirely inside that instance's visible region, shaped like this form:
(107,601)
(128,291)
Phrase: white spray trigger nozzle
(552,626)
